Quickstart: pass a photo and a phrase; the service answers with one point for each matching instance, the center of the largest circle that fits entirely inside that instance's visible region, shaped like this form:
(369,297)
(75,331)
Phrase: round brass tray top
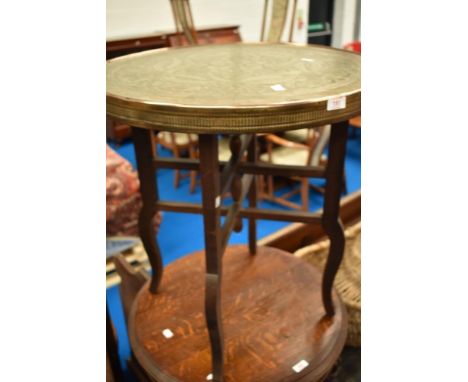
(235,88)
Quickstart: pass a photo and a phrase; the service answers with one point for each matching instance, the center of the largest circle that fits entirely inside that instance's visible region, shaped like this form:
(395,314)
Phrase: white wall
(130,18)
(344,22)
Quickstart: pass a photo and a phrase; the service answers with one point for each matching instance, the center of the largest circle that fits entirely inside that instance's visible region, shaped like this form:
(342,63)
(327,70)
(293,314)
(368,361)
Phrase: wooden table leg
(144,152)
(253,192)
(330,220)
(210,179)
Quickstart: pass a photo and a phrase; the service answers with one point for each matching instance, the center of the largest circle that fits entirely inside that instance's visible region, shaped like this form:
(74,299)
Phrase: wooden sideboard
(117,131)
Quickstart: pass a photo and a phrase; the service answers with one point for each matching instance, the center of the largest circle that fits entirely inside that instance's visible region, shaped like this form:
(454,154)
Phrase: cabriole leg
(331,220)
(209,172)
(145,152)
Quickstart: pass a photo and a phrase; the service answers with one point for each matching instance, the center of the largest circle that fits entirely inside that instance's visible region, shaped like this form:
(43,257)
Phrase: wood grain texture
(272,315)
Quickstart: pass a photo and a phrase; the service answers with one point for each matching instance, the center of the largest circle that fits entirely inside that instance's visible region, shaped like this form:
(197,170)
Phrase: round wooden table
(237,313)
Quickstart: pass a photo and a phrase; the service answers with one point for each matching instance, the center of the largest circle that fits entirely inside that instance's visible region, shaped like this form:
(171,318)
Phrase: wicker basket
(348,278)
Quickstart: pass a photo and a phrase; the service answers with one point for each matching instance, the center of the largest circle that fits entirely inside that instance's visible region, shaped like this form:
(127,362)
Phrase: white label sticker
(278,88)
(168,333)
(209,377)
(218,201)
(336,103)
(301,365)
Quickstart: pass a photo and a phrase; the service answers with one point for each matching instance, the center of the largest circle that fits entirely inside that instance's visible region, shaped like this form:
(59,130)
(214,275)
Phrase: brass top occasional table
(236,313)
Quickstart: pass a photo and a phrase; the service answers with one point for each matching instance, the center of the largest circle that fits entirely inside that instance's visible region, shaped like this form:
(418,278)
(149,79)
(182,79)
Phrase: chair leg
(261,187)
(175,152)
(317,188)
(305,194)
(176,178)
(193,174)
(193,181)
(270,187)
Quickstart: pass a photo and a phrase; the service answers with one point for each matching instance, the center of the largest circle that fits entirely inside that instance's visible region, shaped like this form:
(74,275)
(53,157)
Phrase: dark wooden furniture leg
(253,192)
(330,220)
(138,371)
(193,174)
(211,199)
(130,284)
(145,152)
(175,152)
(112,349)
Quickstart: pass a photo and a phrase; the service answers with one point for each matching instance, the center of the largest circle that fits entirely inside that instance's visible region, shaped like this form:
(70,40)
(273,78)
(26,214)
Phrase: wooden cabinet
(223,35)
(117,131)
(132,45)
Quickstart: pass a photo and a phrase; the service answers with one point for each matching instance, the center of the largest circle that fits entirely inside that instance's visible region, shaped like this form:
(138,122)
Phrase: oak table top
(272,316)
(235,88)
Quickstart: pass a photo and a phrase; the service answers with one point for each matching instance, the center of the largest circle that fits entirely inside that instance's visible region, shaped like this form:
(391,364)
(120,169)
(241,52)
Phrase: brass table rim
(279,105)
(180,117)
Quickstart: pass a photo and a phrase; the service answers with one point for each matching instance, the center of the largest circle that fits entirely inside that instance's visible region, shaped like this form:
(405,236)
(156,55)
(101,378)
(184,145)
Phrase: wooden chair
(278,11)
(298,146)
(186,32)
(283,151)
(180,144)
(318,157)
(224,151)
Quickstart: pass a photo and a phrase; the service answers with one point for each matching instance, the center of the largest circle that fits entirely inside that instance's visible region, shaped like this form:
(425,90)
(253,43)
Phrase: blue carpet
(190,226)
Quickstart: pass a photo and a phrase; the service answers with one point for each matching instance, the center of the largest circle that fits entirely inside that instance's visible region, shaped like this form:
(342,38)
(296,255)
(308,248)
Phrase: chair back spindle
(184,21)
(277,20)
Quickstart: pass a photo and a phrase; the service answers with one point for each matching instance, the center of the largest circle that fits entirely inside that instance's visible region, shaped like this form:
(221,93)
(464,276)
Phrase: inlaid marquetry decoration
(236,88)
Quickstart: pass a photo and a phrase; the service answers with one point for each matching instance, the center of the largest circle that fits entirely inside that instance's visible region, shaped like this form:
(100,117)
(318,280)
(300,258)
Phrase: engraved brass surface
(233,88)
